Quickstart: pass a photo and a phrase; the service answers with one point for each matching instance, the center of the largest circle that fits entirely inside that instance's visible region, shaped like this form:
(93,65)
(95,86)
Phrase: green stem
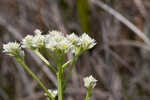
(68,62)
(59,80)
(48,54)
(88,94)
(45,60)
(69,73)
(34,77)
(60,75)
(78,53)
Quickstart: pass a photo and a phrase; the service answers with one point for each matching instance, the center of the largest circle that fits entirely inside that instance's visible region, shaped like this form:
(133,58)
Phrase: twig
(122,19)
(141,7)
(130,43)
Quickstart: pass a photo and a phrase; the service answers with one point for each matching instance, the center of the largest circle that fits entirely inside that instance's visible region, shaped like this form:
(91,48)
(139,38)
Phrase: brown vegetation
(120,61)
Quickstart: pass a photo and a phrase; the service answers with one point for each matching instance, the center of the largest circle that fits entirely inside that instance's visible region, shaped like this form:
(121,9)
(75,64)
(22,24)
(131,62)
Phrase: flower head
(55,40)
(73,38)
(51,44)
(52,92)
(58,36)
(55,33)
(89,82)
(38,41)
(31,42)
(37,32)
(27,41)
(64,45)
(86,41)
(13,49)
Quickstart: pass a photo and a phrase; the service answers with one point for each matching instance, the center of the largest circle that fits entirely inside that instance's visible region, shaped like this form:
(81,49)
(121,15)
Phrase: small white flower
(37,32)
(55,40)
(51,44)
(86,41)
(38,41)
(33,41)
(64,45)
(55,33)
(58,36)
(27,41)
(52,92)
(13,49)
(73,38)
(89,82)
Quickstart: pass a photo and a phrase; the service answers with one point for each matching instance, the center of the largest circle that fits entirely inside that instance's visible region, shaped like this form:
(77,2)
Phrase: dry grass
(120,60)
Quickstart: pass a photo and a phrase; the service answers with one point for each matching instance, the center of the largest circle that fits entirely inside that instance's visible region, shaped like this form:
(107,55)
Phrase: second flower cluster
(57,41)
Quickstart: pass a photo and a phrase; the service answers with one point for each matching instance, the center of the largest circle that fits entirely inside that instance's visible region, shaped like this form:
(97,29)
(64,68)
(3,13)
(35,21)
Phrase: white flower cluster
(36,41)
(74,39)
(13,49)
(89,82)
(27,41)
(52,92)
(54,40)
(86,41)
(37,32)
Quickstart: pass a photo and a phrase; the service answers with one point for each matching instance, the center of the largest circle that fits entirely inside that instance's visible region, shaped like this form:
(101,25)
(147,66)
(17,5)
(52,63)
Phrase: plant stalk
(59,81)
(59,77)
(34,77)
(49,55)
(45,60)
(88,94)
(69,73)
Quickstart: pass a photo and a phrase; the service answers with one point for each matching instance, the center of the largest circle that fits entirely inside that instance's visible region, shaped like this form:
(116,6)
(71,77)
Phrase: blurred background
(120,61)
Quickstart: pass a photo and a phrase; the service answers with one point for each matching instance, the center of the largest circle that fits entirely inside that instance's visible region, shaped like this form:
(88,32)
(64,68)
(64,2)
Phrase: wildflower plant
(89,83)
(60,45)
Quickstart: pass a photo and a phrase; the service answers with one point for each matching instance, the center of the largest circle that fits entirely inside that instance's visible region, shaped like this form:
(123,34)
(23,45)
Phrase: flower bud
(89,82)
(73,38)
(38,41)
(13,49)
(27,42)
(86,41)
(37,32)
